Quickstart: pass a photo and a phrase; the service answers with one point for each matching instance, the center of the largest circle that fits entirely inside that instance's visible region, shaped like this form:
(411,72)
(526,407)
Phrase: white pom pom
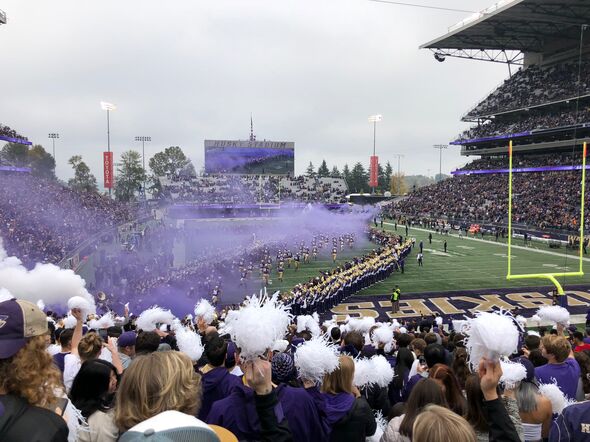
(308,322)
(554,313)
(521,320)
(512,374)
(316,358)
(5,295)
(41,305)
(83,304)
(105,321)
(205,311)
(536,318)
(189,342)
(383,335)
(460,325)
(381,427)
(156,315)
(438,320)
(382,371)
(361,325)
(280,345)
(490,335)
(362,372)
(69,322)
(255,327)
(556,396)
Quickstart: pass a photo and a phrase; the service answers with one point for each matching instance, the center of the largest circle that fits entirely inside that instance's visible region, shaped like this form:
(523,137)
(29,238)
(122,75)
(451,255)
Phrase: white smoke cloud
(45,281)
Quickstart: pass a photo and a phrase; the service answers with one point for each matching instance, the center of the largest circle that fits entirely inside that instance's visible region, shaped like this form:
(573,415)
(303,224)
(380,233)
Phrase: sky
(309,71)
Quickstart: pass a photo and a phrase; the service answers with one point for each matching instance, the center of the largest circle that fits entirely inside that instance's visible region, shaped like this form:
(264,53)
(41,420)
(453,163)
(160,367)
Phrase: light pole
(374,119)
(108,107)
(440,148)
(53,137)
(399,172)
(143,141)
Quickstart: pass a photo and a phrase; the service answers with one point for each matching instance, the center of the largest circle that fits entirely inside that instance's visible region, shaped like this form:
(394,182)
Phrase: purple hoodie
(216,384)
(237,413)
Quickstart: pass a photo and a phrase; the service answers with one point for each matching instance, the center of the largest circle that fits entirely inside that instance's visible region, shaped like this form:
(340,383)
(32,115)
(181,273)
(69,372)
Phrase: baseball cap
(174,426)
(19,320)
(127,339)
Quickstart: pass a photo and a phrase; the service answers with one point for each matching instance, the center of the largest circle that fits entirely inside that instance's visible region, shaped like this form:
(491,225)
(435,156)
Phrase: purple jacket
(573,424)
(237,413)
(217,384)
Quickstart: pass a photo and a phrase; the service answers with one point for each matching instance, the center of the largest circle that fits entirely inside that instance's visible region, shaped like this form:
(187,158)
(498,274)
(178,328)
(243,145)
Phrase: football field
(468,264)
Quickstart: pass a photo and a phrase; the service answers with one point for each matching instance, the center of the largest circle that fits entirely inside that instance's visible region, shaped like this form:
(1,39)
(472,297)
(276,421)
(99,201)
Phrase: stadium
(248,302)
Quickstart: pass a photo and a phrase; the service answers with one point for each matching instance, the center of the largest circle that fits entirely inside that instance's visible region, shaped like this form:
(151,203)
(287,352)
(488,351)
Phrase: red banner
(374,175)
(108,169)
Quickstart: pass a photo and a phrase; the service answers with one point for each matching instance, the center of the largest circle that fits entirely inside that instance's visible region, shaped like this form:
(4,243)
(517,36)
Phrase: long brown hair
(460,366)
(31,374)
(154,383)
(425,392)
(340,380)
(475,414)
(452,390)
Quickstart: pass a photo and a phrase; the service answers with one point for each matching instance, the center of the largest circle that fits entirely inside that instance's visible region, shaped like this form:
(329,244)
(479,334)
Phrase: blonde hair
(89,346)
(558,346)
(439,424)
(31,374)
(154,383)
(340,380)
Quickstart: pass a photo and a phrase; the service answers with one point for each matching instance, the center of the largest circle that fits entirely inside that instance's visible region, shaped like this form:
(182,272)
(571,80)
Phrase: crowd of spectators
(540,199)
(6,131)
(522,160)
(545,120)
(41,220)
(254,189)
(536,85)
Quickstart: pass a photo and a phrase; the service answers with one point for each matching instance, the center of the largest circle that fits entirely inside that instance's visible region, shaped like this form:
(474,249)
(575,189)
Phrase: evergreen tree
(130,176)
(310,171)
(346,176)
(388,173)
(83,180)
(41,162)
(359,178)
(381,179)
(323,170)
(335,172)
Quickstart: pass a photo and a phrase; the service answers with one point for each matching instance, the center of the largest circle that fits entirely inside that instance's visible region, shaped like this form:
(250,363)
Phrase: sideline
(529,249)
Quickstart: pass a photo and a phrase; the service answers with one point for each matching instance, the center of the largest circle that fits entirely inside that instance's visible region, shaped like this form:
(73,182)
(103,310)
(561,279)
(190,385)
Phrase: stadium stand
(41,220)
(251,189)
(8,134)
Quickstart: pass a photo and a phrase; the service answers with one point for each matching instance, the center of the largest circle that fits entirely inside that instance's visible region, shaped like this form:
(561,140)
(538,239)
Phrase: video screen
(250,157)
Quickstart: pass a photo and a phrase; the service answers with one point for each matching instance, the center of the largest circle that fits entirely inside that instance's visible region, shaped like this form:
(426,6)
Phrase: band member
(334,254)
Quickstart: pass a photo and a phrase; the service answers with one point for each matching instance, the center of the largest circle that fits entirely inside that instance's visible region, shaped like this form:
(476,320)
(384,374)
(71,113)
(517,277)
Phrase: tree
(83,180)
(323,170)
(335,172)
(346,176)
(388,173)
(15,154)
(41,163)
(310,171)
(130,176)
(398,184)
(359,178)
(381,179)
(171,163)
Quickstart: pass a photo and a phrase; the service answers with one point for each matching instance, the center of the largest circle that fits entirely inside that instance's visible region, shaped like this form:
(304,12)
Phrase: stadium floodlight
(375,118)
(440,147)
(107,106)
(143,141)
(439,57)
(53,137)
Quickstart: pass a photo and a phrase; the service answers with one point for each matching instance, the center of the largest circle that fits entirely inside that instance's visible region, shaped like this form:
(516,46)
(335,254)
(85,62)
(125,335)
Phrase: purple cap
(127,339)
(19,320)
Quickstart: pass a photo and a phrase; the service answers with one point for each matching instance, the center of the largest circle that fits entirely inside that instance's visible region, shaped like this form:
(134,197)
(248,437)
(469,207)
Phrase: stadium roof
(542,26)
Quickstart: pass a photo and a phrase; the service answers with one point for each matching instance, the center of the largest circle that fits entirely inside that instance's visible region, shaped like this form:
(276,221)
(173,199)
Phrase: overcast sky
(182,71)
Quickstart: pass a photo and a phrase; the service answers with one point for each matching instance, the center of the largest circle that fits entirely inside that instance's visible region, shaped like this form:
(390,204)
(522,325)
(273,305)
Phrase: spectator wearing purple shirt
(561,366)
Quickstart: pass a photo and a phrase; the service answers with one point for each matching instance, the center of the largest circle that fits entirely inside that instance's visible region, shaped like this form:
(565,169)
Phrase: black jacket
(273,424)
(20,421)
(357,425)
(500,426)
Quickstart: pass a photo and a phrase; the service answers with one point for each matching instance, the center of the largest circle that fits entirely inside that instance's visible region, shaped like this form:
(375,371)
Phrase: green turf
(468,265)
